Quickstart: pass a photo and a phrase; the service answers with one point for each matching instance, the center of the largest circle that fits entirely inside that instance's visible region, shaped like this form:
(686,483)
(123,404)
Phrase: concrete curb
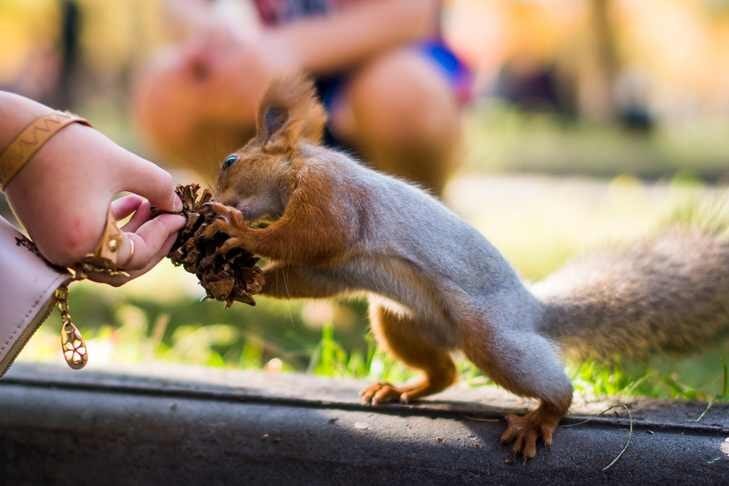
(182,425)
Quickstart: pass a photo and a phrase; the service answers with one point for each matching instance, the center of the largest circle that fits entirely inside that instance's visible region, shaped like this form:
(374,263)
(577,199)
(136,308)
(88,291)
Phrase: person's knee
(180,122)
(402,100)
(153,104)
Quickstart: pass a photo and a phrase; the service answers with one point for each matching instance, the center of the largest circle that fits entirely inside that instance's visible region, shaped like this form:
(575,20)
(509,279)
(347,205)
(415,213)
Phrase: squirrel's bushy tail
(669,293)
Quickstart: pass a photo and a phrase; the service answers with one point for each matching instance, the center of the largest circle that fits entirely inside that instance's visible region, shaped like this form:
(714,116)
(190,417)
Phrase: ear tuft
(290,111)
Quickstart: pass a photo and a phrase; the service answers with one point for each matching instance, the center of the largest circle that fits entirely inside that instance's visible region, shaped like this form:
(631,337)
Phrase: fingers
(118,280)
(156,184)
(141,215)
(164,251)
(147,242)
(126,205)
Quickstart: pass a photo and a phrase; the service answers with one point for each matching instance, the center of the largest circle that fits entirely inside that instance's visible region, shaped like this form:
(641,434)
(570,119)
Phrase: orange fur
(395,334)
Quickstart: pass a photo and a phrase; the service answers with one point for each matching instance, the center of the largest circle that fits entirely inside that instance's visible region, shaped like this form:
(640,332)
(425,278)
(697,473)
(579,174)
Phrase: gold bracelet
(30,140)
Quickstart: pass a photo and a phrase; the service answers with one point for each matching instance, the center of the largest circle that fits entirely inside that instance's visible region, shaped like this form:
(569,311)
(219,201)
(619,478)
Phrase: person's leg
(400,112)
(180,123)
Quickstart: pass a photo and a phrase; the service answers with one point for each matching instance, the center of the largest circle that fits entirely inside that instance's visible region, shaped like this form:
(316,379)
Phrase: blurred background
(594,122)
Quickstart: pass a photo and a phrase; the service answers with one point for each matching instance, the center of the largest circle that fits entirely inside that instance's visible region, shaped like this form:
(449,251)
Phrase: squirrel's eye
(230,160)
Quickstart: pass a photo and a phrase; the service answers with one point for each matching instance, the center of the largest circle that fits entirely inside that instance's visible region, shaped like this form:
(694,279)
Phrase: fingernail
(177,204)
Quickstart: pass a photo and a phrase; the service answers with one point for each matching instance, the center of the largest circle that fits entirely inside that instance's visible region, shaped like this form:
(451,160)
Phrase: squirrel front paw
(230,221)
(228,213)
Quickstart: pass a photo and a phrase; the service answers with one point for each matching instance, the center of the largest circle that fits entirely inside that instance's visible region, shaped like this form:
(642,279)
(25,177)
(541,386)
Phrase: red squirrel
(331,226)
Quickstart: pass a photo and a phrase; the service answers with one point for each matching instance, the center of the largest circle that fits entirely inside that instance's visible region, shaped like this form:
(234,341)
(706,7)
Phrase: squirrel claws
(233,216)
(220,208)
(216,226)
(382,392)
(229,220)
(222,226)
(525,431)
(547,433)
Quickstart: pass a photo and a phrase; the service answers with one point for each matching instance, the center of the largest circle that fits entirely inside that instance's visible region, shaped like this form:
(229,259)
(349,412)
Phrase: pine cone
(230,277)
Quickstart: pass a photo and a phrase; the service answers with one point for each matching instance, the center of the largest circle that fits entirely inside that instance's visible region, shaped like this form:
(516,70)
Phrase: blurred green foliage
(503,139)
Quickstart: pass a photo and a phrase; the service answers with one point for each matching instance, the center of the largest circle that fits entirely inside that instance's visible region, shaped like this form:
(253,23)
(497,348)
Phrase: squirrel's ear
(290,111)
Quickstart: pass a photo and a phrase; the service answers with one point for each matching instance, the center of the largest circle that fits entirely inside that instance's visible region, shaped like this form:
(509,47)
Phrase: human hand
(63,195)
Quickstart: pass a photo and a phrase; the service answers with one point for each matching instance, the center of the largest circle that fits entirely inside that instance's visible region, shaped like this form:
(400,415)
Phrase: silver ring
(131,251)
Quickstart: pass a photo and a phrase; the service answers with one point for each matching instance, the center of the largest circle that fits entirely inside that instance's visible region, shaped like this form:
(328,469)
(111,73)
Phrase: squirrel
(330,226)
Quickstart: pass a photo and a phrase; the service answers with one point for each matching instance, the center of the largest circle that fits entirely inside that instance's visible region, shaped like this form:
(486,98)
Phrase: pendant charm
(102,261)
(74,348)
(73,345)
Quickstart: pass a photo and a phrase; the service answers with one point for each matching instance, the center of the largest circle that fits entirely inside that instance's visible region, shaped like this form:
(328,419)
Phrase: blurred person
(392,88)
(48,72)
(71,22)
(534,86)
(38,74)
(631,96)
(60,178)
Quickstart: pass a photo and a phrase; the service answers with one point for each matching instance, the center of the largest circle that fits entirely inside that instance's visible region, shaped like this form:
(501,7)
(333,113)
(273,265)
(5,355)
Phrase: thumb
(151,181)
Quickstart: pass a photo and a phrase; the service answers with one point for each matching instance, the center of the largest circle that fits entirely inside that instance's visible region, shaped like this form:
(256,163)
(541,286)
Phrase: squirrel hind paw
(525,430)
(379,393)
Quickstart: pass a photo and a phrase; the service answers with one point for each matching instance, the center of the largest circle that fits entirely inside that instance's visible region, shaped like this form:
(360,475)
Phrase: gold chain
(73,345)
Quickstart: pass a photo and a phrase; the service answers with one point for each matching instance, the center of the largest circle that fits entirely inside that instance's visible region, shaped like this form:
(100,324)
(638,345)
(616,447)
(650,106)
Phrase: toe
(518,444)
(511,429)
(367,394)
(547,432)
(217,207)
(508,435)
(229,245)
(380,393)
(387,393)
(210,231)
(530,445)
